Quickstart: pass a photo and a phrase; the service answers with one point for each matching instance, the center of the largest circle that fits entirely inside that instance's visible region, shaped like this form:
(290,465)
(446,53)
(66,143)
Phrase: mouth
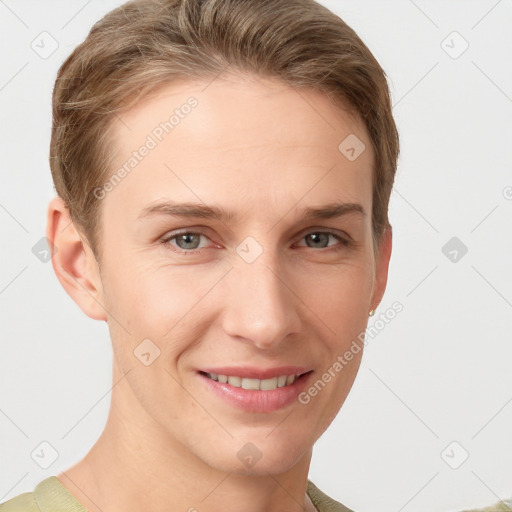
(254,390)
(270,384)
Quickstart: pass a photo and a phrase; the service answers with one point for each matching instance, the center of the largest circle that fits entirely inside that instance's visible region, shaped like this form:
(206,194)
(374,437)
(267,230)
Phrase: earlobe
(73,261)
(381,267)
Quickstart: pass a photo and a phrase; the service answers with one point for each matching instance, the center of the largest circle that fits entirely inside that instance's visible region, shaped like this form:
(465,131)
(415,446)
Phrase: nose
(261,307)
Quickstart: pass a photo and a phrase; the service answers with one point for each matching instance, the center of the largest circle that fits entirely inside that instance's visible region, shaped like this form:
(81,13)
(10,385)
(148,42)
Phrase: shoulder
(49,495)
(500,506)
(22,503)
(324,503)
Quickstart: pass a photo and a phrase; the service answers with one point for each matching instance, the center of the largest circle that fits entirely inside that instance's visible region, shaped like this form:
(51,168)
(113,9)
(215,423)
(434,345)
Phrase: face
(249,285)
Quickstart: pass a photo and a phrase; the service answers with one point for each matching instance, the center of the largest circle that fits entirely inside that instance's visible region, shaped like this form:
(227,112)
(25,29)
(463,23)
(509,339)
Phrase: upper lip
(251,372)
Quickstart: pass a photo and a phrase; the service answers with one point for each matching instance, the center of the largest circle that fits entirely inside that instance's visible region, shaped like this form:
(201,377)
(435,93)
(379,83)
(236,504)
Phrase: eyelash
(344,242)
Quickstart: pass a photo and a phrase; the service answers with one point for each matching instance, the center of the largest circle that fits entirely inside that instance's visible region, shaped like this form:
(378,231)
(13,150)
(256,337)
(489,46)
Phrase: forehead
(246,142)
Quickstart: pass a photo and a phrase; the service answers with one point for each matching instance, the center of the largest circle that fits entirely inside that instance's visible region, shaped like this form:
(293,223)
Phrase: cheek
(340,294)
(156,300)
(151,299)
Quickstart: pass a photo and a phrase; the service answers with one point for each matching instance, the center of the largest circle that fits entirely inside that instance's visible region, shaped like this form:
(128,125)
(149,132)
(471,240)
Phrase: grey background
(438,373)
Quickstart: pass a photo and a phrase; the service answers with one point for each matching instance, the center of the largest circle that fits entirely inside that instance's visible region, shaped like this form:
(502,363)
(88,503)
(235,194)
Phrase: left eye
(319,238)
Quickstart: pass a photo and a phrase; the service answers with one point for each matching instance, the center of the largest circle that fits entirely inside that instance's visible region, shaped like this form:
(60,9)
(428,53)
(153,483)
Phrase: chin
(259,455)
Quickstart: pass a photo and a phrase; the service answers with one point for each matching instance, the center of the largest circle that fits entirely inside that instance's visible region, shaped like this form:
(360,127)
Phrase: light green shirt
(50,495)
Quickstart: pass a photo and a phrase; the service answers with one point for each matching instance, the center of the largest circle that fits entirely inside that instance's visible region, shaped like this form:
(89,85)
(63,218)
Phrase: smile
(256,390)
(257,384)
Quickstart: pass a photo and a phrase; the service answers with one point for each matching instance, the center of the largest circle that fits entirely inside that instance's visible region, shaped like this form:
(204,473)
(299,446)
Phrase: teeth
(268,384)
(263,385)
(251,383)
(235,381)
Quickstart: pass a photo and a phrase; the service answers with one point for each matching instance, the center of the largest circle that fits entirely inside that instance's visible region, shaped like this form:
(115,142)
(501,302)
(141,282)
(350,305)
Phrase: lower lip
(252,400)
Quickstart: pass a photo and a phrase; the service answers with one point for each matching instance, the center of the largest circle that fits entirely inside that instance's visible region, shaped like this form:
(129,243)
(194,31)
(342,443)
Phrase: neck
(134,466)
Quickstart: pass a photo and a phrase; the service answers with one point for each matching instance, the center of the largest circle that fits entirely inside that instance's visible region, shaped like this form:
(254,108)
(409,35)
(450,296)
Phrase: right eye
(187,241)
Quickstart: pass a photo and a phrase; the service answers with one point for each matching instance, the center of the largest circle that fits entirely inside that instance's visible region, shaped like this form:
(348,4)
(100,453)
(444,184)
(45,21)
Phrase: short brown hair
(145,44)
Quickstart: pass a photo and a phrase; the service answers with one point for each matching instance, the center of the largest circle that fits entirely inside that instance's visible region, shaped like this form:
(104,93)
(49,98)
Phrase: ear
(73,261)
(381,267)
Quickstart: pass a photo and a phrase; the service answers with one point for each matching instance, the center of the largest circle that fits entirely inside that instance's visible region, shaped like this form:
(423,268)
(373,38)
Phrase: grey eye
(187,241)
(318,239)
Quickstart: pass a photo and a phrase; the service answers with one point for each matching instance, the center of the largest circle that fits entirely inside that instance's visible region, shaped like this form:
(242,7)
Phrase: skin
(263,151)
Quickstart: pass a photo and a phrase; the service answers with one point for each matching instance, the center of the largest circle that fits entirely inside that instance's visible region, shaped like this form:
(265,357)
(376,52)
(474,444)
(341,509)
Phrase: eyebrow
(198,210)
